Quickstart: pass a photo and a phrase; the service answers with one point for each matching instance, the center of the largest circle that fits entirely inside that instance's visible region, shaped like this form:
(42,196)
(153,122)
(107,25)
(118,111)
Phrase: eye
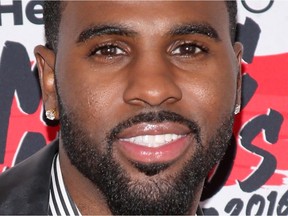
(188,49)
(107,50)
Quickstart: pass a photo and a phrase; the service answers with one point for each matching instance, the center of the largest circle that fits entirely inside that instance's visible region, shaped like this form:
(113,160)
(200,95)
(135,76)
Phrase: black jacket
(24,189)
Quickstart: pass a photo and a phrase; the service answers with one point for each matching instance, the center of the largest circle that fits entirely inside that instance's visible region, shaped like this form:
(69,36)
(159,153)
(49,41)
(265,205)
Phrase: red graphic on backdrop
(271,97)
(21,123)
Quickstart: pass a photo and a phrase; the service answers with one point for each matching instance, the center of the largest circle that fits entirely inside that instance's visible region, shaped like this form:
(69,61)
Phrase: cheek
(212,94)
(210,98)
(221,92)
(91,99)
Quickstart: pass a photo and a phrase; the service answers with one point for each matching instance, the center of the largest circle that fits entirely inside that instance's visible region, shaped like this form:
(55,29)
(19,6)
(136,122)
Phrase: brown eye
(188,49)
(108,51)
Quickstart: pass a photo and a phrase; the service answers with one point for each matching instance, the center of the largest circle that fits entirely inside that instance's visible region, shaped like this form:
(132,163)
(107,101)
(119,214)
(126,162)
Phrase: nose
(151,82)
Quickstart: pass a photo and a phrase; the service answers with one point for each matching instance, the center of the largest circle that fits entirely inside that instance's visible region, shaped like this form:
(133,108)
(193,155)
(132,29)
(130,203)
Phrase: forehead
(142,16)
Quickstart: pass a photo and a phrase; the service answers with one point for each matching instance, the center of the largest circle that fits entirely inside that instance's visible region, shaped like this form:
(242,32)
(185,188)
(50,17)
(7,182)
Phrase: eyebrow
(202,29)
(100,30)
(118,29)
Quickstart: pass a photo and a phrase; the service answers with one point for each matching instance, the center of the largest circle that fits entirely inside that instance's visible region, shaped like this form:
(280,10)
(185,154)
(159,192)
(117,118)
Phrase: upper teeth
(153,140)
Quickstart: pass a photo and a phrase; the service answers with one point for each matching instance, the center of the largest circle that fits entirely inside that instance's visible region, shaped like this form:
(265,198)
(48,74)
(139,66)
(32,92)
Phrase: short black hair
(53,11)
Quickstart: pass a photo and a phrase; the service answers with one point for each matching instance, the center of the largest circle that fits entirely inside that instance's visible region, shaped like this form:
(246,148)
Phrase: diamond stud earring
(237,109)
(51,114)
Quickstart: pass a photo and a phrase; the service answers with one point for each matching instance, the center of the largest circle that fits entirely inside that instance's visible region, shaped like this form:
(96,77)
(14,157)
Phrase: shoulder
(25,187)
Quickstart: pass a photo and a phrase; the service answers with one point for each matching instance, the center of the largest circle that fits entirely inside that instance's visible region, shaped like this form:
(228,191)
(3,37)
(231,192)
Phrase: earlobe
(45,59)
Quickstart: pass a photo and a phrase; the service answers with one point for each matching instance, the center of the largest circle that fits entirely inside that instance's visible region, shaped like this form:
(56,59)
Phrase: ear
(238,49)
(46,69)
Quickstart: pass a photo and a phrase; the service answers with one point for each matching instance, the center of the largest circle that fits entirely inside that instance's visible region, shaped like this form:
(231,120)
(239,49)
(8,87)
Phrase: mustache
(156,117)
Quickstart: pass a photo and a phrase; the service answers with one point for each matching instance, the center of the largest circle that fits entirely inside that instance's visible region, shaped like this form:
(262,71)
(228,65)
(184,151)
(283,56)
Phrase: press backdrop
(253,176)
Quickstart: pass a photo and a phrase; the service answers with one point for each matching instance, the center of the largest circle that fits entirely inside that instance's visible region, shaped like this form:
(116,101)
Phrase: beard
(157,194)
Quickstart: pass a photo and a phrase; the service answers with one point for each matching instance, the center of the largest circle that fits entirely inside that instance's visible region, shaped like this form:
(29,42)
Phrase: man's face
(146,93)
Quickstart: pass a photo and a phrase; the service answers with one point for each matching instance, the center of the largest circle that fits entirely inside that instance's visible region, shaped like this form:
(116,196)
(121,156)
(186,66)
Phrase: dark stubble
(169,195)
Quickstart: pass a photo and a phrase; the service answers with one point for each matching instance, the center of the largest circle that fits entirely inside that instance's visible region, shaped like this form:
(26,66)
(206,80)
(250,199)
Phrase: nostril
(172,100)
(137,102)
(141,102)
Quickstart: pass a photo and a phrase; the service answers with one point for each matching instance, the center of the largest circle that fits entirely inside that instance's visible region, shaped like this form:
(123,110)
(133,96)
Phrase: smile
(155,138)
(153,141)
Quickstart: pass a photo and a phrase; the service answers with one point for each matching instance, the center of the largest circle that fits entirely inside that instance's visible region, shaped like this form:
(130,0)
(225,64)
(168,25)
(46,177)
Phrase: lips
(154,142)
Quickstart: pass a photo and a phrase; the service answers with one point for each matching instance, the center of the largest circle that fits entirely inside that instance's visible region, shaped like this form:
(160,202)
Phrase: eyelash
(100,47)
(177,45)
(195,45)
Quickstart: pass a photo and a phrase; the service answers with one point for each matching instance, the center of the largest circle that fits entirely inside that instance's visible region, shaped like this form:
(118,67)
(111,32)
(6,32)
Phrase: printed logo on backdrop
(22,131)
(14,8)
(260,131)
(265,5)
